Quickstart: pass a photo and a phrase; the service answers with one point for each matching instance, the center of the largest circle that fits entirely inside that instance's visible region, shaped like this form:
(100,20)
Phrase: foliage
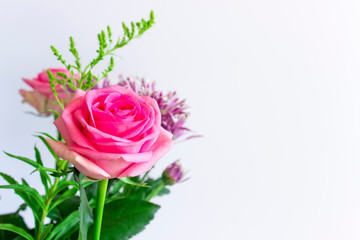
(128,208)
(85,78)
(69,197)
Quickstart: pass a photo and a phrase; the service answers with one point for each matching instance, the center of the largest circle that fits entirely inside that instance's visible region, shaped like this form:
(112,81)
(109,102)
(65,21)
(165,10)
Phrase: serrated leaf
(125,218)
(17,230)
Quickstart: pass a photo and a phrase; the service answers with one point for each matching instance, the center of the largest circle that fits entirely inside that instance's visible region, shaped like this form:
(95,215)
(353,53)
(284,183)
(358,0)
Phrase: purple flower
(173,110)
(105,84)
(173,173)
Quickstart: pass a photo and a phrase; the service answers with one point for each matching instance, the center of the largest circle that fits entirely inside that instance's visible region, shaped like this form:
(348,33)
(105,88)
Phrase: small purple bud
(106,83)
(173,173)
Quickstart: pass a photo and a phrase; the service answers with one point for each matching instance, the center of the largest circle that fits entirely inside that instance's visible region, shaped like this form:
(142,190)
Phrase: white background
(274,87)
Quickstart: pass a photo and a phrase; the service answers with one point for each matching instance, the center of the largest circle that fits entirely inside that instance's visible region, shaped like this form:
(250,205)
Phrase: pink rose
(42,84)
(111,133)
(42,98)
(40,102)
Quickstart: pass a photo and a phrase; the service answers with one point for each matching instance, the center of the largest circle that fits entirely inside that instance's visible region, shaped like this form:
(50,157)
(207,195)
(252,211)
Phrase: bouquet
(109,138)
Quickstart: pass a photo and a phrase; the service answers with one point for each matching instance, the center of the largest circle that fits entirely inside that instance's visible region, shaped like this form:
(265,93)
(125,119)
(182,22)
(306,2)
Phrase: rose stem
(155,191)
(100,200)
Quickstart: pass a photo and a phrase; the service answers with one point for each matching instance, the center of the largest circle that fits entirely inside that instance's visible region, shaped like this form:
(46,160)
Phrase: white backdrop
(273,87)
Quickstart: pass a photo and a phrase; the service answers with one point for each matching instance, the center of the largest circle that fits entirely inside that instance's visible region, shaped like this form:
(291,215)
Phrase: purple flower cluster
(173,110)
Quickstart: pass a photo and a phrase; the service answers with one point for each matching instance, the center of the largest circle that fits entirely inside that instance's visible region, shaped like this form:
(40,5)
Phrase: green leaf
(34,202)
(56,114)
(62,172)
(22,207)
(19,231)
(38,156)
(45,179)
(66,227)
(163,191)
(66,207)
(25,192)
(156,187)
(86,216)
(24,182)
(45,230)
(90,188)
(125,218)
(24,159)
(47,135)
(50,149)
(67,194)
(131,182)
(14,219)
(116,186)
(24,188)
(63,192)
(64,184)
(45,169)
(7,178)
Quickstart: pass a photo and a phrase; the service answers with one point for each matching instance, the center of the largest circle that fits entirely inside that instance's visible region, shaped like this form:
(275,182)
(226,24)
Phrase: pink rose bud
(173,173)
(42,97)
(111,133)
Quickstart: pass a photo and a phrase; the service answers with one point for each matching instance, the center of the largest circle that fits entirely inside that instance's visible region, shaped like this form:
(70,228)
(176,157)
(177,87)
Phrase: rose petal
(105,156)
(66,121)
(163,144)
(84,165)
(115,129)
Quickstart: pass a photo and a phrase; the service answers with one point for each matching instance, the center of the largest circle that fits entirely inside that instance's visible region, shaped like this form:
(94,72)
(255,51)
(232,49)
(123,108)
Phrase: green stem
(47,205)
(156,191)
(100,201)
(142,181)
(49,199)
